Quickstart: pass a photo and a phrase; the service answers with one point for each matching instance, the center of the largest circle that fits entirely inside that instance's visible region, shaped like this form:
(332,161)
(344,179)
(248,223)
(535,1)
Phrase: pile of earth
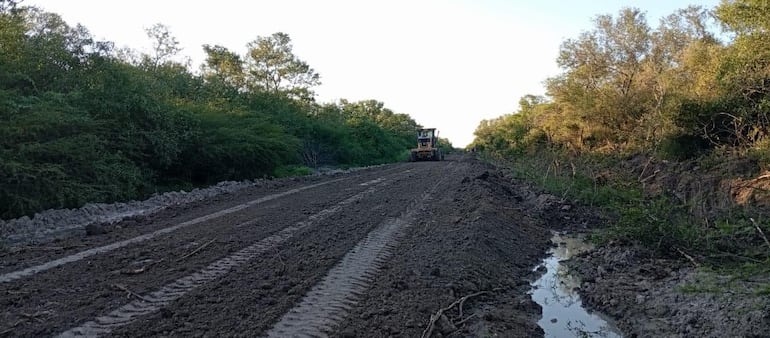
(62,223)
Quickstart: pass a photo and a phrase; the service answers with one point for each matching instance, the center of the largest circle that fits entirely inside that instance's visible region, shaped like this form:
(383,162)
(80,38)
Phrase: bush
(79,125)
(658,222)
(682,147)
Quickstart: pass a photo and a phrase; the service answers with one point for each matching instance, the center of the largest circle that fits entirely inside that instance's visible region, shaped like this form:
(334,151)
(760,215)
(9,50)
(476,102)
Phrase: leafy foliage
(83,122)
(628,87)
(272,67)
(674,91)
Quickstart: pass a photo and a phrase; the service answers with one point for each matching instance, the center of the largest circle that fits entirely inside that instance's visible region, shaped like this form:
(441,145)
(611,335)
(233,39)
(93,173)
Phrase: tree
(612,52)
(401,125)
(164,45)
(529,102)
(42,49)
(747,69)
(742,115)
(80,123)
(600,86)
(12,42)
(745,16)
(271,66)
(680,65)
(224,66)
(8,5)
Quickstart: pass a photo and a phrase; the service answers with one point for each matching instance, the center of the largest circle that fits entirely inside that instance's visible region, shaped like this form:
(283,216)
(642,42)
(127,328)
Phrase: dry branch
(140,270)
(134,271)
(645,170)
(280,260)
(460,307)
(465,320)
(435,317)
(129,293)
(642,180)
(760,231)
(196,250)
(688,257)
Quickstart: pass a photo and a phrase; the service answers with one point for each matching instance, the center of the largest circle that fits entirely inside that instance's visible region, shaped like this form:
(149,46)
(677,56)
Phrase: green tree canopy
(271,66)
(82,122)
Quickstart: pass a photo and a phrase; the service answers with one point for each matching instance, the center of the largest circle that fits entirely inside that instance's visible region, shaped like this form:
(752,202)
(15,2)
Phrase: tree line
(697,82)
(83,121)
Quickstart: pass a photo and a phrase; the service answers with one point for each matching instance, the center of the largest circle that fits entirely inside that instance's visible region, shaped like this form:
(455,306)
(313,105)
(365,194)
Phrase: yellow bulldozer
(427,146)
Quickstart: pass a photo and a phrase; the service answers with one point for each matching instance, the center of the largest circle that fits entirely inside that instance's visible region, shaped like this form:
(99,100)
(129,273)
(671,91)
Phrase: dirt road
(403,250)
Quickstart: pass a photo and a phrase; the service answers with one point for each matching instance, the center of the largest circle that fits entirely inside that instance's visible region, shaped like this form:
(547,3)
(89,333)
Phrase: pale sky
(449,64)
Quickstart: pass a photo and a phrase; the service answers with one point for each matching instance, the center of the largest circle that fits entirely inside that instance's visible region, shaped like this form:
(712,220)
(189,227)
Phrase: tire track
(327,303)
(154,301)
(11,276)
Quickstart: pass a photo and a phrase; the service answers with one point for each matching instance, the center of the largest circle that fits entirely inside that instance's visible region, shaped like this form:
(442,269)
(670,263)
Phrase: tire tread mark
(328,302)
(11,276)
(165,295)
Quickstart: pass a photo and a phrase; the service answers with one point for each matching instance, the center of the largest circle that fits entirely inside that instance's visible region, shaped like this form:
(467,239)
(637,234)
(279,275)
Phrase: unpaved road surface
(372,253)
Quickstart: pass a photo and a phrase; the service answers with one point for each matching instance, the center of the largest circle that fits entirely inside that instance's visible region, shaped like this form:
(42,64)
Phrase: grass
(736,280)
(763,290)
(729,243)
(292,171)
(701,288)
(655,222)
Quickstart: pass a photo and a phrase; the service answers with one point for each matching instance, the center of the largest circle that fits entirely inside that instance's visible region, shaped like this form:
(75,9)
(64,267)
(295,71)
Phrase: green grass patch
(292,171)
(659,222)
(700,288)
(764,290)
(656,222)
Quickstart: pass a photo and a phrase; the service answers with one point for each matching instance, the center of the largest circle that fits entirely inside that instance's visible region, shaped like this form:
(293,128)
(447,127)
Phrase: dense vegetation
(83,121)
(677,89)
(684,92)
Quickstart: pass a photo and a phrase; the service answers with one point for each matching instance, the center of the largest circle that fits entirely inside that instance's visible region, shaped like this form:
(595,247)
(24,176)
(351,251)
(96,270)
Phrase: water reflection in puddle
(563,312)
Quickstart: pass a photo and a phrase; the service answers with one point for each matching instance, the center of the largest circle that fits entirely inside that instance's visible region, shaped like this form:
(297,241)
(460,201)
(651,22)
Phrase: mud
(472,239)
(438,249)
(76,292)
(652,297)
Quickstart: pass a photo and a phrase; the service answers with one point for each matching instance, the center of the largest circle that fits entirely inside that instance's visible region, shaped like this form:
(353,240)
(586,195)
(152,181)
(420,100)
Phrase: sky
(447,63)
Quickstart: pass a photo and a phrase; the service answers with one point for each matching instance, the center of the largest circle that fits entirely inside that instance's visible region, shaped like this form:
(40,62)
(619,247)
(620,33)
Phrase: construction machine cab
(426,137)
(427,146)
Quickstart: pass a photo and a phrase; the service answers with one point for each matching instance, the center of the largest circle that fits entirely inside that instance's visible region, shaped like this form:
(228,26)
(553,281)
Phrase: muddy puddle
(555,291)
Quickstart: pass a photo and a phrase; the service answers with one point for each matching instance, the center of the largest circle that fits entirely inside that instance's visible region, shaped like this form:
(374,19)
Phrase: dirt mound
(58,223)
(754,191)
(707,188)
(61,223)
